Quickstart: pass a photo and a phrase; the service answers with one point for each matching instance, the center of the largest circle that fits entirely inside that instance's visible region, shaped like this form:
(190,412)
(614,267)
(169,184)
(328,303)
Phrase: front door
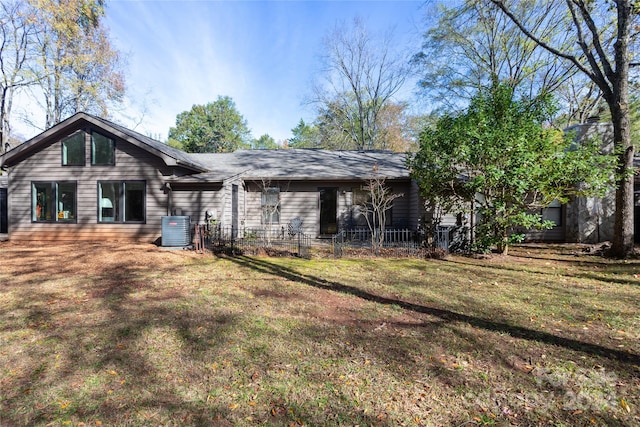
(4,217)
(328,210)
(234,211)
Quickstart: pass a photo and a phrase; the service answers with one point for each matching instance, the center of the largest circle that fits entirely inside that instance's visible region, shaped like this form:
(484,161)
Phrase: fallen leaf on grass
(526,368)
(624,405)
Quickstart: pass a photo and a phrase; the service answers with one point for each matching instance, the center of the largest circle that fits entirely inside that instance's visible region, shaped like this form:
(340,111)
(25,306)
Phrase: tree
(360,77)
(265,142)
(216,127)
(16,31)
(77,68)
(604,34)
(270,193)
(472,43)
(502,155)
(305,136)
(398,130)
(376,204)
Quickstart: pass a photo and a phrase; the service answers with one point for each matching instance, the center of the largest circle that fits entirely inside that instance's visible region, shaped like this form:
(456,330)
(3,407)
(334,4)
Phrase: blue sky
(263,54)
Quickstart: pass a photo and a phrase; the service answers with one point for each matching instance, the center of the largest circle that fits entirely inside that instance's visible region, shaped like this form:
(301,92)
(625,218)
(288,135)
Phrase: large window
(103,150)
(53,201)
(271,205)
(121,201)
(73,150)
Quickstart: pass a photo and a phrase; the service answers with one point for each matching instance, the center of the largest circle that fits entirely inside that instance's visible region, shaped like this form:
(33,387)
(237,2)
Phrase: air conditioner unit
(176,231)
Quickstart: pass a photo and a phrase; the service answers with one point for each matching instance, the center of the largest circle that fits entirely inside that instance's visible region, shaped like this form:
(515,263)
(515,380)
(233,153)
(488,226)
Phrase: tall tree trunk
(623,238)
(619,106)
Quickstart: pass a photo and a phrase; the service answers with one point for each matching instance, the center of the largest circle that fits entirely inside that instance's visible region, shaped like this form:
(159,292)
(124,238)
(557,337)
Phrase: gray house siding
(297,200)
(301,200)
(132,163)
(195,200)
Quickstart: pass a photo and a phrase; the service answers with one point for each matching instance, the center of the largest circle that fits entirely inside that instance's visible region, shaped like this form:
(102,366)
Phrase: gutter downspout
(169,192)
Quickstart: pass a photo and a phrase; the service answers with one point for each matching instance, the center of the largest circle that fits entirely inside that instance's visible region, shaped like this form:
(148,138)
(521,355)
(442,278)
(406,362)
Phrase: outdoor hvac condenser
(176,231)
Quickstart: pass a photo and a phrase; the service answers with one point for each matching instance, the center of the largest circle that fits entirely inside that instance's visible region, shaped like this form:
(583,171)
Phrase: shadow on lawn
(265,266)
(88,356)
(109,352)
(627,269)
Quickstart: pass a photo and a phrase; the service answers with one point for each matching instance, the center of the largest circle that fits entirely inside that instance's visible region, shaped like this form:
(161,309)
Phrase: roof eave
(323,178)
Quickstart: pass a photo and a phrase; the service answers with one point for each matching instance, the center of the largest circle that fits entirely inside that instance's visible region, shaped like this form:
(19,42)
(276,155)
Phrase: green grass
(132,335)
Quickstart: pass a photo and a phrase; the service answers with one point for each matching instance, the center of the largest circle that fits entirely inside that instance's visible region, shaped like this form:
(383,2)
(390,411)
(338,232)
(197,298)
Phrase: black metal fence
(270,240)
(396,242)
(400,242)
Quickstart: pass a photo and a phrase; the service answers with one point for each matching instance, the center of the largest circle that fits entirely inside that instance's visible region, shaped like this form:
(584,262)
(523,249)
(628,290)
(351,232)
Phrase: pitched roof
(299,164)
(171,156)
(291,164)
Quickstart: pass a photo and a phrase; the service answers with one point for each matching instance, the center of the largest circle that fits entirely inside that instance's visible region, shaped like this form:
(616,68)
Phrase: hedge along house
(89,179)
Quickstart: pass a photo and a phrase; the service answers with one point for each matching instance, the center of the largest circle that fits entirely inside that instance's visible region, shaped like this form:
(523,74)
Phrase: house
(587,219)
(87,178)
(318,188)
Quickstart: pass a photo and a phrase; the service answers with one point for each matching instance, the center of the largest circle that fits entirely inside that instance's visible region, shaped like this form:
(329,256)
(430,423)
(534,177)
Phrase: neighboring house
(587,219)
(89,179)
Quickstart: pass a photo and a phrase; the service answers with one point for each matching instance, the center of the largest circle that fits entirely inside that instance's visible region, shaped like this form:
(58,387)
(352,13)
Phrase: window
(53,201)
(103,150)
(121,201)
(271,205)
(73,150)
(362,209)
(553,213)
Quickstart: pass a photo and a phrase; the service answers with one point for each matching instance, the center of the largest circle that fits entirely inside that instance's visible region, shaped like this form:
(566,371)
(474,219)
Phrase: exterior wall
(301,199)
(195,200)
(591,219)
(132,163)
(585,219)
(415,205)
(297,200)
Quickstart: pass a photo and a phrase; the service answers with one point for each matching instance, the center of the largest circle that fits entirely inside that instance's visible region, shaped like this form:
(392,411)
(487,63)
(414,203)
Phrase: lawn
(117,334)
